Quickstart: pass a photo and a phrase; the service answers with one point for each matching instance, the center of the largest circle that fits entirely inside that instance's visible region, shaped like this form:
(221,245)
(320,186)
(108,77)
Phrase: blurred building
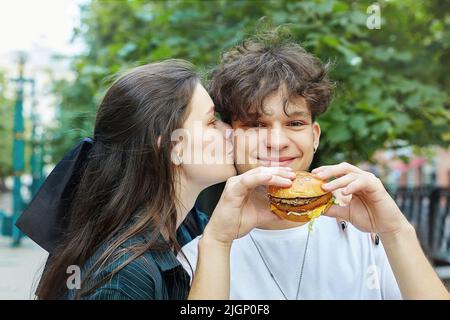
(443,168)
(418,171)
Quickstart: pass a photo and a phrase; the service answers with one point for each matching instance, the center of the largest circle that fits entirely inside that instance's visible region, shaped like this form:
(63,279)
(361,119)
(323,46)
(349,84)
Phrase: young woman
(138,185)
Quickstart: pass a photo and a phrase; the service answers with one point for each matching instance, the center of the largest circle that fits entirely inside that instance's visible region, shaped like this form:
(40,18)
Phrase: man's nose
(277,139)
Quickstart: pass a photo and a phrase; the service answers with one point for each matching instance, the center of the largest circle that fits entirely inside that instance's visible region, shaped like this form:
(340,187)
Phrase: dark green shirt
(156,275)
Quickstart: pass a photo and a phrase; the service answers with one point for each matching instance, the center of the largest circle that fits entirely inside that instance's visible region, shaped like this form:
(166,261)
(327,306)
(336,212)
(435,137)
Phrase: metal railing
(428,210)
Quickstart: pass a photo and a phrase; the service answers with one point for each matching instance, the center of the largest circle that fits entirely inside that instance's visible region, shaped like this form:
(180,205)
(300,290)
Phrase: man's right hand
(235,215)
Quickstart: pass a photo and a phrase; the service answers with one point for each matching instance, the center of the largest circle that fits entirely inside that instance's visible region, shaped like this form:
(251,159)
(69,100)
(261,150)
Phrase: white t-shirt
(339,264)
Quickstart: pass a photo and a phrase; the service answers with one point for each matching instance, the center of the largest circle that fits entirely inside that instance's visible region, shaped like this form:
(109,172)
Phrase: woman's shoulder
(138,279)
(127,276)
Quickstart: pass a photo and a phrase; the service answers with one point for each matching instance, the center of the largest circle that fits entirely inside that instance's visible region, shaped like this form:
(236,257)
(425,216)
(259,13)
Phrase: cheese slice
(312,214)
(317,212)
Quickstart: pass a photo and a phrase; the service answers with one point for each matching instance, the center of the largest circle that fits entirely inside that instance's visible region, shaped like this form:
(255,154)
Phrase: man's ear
(316,134)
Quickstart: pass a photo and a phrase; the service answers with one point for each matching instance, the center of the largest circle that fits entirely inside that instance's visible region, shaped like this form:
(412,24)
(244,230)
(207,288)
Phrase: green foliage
(6,129)
(391,83)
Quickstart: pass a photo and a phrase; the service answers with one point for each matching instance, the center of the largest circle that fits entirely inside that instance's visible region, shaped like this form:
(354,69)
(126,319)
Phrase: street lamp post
(18,150)
(36,159)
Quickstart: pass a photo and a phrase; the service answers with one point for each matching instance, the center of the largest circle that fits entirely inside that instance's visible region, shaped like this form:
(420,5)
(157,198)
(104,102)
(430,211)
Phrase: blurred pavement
(20,269)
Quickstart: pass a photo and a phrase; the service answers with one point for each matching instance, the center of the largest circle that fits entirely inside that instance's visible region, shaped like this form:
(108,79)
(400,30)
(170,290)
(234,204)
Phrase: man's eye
(254,124)
(296,123)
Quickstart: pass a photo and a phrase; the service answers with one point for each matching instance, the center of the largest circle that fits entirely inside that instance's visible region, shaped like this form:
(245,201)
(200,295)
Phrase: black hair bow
(46,217)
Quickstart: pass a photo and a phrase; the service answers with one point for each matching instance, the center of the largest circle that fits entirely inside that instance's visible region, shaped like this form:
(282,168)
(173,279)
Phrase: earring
(176,159)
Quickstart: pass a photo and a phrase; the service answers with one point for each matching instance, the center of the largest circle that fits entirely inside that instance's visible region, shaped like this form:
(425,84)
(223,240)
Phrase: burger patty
(300,204)
(293,201)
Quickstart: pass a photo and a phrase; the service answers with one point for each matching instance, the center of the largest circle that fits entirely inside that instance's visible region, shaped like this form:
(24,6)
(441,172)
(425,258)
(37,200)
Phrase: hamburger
(304,201)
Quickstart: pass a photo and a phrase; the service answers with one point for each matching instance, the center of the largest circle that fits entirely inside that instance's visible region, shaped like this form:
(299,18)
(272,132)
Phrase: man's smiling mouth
(276,162)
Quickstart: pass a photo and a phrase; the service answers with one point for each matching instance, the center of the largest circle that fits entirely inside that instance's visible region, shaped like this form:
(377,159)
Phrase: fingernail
(315,170)
(377,239)
(320,174)
(325,185)
(343,225)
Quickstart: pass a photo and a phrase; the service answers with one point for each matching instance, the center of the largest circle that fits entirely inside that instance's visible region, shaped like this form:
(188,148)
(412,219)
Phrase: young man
(272,91)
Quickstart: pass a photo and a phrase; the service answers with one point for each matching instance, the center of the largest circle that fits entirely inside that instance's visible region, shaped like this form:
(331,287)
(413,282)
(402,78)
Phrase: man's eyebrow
(299,114)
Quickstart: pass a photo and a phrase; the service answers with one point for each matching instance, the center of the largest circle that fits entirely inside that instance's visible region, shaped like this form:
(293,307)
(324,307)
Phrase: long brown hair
(127,186)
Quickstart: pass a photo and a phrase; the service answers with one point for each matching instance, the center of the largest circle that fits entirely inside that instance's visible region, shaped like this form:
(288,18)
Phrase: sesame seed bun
(305,185)
(303,201)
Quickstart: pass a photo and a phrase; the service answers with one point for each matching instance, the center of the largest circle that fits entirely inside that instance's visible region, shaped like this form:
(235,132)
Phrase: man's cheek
(244,157)
(245,151)
(304,163)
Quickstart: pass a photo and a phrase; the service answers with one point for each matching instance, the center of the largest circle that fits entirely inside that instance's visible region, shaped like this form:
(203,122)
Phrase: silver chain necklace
(272,275)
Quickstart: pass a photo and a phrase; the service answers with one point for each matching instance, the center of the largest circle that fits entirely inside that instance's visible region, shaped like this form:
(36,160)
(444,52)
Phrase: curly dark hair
(262,64)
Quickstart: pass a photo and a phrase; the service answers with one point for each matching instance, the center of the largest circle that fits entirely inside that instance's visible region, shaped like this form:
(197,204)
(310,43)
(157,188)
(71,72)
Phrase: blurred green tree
(391,82)
(6,131)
